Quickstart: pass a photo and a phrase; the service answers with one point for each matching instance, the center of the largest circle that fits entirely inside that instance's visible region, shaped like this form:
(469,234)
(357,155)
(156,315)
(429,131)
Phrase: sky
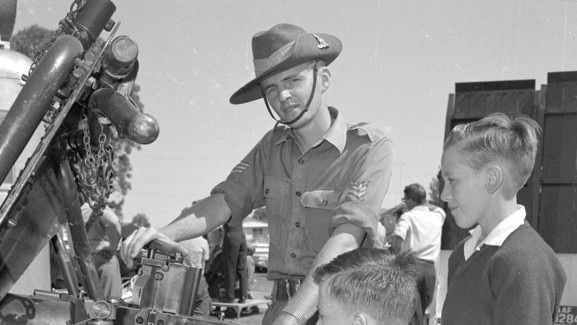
(400,61)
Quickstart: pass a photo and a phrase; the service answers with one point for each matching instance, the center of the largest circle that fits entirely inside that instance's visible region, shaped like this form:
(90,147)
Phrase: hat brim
(304,50)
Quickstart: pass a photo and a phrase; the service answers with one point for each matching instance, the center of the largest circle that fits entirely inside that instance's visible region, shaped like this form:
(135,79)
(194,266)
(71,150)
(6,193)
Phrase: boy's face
(332,312)
(464,189)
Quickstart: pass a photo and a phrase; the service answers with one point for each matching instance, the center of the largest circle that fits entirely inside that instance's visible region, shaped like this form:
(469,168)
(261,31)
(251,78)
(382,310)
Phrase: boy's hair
(497,136)
(416,192)
(372,281)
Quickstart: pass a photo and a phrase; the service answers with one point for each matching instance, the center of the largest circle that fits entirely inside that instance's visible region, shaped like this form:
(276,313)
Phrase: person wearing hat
(321,179)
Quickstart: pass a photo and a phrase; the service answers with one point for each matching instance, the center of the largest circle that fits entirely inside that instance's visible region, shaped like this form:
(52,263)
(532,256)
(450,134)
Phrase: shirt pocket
(321,199)
(275,192)
(320,208)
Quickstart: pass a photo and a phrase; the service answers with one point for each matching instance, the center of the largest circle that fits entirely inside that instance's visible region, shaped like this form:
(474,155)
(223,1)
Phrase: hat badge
(321,43)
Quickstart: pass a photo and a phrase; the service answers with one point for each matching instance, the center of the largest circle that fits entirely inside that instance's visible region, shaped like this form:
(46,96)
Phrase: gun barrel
(139,127)
(92,18)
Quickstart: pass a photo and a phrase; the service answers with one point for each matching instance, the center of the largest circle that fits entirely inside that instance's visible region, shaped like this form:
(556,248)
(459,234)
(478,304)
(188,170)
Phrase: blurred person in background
(418,232)
(104,238)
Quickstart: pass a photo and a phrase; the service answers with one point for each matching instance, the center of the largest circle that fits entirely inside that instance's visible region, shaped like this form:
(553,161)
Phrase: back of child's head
(498,137)
(372,281)
(415,192)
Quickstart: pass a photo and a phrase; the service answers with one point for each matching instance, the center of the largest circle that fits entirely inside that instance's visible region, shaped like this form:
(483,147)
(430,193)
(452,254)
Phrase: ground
(261,288)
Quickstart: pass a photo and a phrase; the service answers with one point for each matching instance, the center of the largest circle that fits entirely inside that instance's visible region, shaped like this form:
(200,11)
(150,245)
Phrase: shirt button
(298,193)
(297,224)
(266,191)
(301,161)
(293,255)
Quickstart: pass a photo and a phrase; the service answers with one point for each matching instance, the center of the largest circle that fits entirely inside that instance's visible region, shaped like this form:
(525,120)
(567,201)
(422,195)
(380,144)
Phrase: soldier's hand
(134,243)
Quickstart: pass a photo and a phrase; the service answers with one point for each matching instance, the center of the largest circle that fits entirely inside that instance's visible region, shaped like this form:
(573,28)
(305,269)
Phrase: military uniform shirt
(342,179)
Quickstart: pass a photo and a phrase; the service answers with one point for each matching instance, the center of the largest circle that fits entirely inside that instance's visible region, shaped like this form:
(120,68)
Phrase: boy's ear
(494,178)
(360,319)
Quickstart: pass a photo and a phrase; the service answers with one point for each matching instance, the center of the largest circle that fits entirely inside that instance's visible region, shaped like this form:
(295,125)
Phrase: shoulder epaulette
(370,130)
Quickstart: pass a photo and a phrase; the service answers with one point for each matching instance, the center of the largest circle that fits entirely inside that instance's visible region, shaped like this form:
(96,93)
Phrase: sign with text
(566,315)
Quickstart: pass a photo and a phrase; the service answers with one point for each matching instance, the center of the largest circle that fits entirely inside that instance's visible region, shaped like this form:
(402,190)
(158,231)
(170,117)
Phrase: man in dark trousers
(234,250)
(418,232)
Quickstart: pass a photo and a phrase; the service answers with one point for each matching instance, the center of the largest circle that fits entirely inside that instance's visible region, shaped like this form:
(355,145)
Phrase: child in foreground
(367,286)
(504,273)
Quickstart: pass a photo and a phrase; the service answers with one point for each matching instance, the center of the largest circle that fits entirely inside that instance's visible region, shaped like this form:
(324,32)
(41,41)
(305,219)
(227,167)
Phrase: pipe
(91,19)
(77,231)
(126,117)
(68,272)
(36,96)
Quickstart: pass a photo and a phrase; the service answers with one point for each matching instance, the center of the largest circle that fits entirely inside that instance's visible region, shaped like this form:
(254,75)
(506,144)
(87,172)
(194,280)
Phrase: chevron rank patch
(241,167)
(357,191)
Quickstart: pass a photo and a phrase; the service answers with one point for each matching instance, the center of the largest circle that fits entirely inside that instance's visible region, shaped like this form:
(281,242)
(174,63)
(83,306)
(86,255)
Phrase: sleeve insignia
(240,168)
(357,191)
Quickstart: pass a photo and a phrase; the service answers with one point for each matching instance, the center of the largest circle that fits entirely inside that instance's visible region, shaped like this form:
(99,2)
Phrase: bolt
(139,319)
(11,223)
(160,322)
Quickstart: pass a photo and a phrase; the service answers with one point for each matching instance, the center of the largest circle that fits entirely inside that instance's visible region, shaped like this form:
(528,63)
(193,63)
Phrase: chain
(64,26)
(94,173)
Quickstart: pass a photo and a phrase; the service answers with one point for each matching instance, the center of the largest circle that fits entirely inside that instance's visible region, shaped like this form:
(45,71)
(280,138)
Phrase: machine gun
(79,86)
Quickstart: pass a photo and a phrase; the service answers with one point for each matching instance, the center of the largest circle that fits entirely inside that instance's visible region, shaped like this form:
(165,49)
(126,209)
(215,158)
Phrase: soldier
(322,180)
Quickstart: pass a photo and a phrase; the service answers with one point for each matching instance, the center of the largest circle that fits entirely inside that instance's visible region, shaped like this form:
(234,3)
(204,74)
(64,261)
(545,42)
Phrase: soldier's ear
(325,78)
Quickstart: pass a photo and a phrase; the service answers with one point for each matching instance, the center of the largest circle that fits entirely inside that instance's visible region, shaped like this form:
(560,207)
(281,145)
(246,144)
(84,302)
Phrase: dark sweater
(520,282)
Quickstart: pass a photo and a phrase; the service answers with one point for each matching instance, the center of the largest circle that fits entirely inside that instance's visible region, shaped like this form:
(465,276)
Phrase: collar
(420,208)
(335,135)
(498,235)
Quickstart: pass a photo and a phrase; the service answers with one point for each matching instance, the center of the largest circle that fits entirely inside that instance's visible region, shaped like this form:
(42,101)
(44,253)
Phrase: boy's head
(415,195)
(496,137)
(367,286)
(486,163)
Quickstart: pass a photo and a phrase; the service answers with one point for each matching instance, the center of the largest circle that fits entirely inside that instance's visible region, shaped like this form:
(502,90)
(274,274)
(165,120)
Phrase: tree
(122,165)
(30,41)
(141,220)
(435,190)
(259,214)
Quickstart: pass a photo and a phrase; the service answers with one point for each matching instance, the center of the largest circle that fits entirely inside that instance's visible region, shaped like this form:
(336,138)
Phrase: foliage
(435,188)
(140,220)
(122,165)
(259,214)
(29,41)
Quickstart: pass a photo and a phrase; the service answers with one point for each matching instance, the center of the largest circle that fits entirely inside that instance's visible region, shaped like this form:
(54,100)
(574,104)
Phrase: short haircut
(498,137)
(372,281)
(416,192)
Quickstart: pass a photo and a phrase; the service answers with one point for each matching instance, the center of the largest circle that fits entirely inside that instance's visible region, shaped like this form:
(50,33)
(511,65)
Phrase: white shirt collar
(498,235)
